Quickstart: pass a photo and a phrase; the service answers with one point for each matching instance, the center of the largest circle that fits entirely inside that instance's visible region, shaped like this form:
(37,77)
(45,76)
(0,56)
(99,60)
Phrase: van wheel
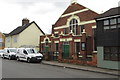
(9,58)
(28,60)
(3,57)
(18,59)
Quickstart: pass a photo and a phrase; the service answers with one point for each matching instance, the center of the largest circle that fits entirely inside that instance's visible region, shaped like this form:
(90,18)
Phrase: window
(1,40)
(106,22)
(66,31)
(107,53)
(112,53)
(118,20)
(8,51)
(82,28)
(56,35)
(83,46)
(25,52)
(46,41)
(110,24)
(15,39)
(8,39)
(113,21)
(113,26)
(0,44)
(57,46)
(77,47)
(74,26)
(106,27)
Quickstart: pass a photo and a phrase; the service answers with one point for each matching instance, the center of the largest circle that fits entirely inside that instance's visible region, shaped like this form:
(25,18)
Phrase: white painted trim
(81,23)
(43,42)
(65,39)
(45,39)
(80,56)
(56,41)
(107,17)
(72,13)
(73,17)
(60,27)
(56,32)
(94,27)
(77,40)
(62,40)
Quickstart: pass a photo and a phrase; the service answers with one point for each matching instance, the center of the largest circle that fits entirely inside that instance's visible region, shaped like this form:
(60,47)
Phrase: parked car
(29,55)
(1,53)
(10,53)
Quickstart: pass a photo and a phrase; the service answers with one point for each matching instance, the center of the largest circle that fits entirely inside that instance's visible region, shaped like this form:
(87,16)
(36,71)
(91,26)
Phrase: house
(72,37)
(26,35)
(2,41)
(108,39)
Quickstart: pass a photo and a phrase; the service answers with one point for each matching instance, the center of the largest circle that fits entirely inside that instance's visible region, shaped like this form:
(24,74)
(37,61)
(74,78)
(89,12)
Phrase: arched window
(74,26)
(46,41)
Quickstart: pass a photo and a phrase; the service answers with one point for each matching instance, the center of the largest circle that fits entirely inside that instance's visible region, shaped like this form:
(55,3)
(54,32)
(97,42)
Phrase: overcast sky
(43,12)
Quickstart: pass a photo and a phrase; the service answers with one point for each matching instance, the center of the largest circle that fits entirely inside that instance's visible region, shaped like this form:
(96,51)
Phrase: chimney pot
(25,21)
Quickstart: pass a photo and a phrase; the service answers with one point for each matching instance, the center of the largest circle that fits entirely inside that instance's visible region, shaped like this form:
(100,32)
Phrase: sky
(44,12)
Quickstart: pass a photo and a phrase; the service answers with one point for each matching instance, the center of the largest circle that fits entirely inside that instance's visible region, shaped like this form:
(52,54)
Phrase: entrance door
(46,49)
(66,50)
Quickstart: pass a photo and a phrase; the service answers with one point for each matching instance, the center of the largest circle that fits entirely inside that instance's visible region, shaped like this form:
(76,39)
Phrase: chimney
(25,21)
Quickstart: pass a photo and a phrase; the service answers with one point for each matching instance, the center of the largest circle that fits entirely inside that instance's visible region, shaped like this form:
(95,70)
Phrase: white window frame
(73,25)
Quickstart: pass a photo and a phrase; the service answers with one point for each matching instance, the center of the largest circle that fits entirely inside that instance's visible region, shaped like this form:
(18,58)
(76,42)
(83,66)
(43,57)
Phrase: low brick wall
(92,62)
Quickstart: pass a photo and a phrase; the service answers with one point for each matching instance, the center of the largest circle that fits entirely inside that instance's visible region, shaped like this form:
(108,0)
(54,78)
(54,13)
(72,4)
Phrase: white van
(9,53)
(1,53)
(29,55)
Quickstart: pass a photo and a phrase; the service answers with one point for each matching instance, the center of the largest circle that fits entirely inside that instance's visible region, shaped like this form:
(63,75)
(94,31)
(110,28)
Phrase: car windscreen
(31,51)
(13,50)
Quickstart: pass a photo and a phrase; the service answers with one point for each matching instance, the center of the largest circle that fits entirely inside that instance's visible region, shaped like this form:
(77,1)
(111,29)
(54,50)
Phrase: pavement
(84,68)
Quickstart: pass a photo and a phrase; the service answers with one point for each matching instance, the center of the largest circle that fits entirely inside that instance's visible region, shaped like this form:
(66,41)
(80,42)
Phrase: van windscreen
(13,50)
(31,51)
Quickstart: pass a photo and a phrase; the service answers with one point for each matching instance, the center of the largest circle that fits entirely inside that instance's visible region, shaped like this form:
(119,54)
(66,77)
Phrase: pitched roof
(73,7)
(76,7)
(22,28)
(6,35)
(110,12)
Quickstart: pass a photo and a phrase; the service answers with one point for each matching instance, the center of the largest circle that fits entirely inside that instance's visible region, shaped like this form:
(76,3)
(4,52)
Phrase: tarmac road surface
(17,69)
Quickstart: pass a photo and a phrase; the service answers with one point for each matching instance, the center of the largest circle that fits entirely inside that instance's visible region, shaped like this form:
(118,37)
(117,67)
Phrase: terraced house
(72,37)
(26,35)
(2,41)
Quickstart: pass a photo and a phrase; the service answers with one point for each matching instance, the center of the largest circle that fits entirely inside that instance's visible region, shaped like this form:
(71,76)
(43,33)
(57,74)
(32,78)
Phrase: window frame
(74,26)
(83,48)
(112,55)
(112,25)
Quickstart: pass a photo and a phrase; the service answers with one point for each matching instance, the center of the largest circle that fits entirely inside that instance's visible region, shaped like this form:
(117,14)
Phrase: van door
(24,55)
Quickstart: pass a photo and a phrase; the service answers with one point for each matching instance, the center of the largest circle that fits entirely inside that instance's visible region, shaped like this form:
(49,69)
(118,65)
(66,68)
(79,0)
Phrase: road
(17,69)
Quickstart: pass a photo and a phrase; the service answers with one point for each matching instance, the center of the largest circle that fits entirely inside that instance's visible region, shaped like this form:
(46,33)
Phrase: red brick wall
(87,38)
